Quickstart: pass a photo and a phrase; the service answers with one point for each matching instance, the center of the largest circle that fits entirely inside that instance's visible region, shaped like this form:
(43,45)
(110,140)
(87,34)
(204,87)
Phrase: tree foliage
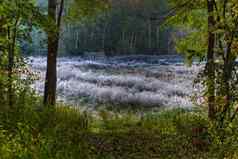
(16,21)
(191,17)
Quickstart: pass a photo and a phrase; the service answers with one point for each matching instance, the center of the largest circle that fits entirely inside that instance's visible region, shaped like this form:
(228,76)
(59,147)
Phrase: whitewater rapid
(149,81)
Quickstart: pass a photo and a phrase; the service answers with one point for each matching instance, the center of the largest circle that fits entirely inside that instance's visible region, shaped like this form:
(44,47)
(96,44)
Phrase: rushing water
(149,81)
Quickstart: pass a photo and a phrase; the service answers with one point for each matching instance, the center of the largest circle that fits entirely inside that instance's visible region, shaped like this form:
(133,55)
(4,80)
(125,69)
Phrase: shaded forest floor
(66,133)
(29,130)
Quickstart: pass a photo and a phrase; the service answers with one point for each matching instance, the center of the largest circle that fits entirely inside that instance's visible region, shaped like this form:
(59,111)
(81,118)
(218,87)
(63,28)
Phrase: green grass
(66,133)
(30,131)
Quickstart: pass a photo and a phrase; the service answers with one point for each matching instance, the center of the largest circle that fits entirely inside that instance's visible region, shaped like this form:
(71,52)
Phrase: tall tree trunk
(12,34)
(228,68)
(158,39)
(210,68)
(227,73)
(135,41)
(104,37)
(227,76)
(53,42)
(150,35)
(10,69)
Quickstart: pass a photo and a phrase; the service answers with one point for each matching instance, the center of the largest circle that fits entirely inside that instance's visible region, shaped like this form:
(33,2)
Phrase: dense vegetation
(127,27)
(29,131)
(34,128)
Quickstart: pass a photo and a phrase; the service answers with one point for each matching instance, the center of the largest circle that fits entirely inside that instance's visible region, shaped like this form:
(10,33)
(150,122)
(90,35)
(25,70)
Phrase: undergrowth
(67,133)
(29,130)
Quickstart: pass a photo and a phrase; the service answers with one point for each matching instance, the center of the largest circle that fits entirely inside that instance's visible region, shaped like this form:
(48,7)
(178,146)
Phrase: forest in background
(127,27)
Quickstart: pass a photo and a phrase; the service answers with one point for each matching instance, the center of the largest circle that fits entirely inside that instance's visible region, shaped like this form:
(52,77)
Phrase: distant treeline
(128,27)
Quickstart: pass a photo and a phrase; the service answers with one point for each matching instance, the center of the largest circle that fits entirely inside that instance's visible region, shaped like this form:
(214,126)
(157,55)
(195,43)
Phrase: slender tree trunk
(131,40)
(227,76)
(150,34)
(135,41)
(158,39)
(228,68)
(53,42)
(10,69)
(12,34)
(124,49)
(104,37)
(210,68)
